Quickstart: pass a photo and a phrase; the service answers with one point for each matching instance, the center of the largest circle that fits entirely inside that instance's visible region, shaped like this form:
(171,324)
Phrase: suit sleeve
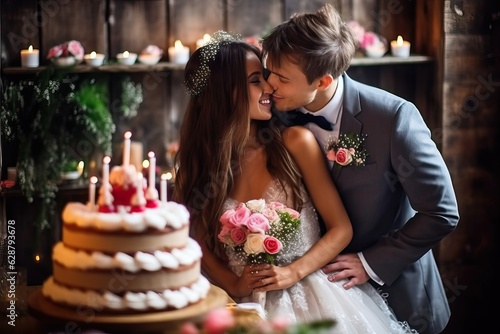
(423,175)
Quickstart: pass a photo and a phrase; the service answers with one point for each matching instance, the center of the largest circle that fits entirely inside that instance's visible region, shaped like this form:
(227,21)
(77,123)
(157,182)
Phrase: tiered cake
(130,252)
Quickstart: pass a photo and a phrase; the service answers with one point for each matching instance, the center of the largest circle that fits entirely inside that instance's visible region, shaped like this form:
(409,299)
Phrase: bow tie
(299,118)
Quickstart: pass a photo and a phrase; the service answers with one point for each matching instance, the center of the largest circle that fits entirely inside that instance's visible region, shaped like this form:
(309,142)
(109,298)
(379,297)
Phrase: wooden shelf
(165,66)
(390,60)
(111,68)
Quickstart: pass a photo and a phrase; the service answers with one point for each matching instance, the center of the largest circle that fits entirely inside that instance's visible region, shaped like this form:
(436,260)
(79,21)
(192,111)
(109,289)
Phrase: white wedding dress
(360,309)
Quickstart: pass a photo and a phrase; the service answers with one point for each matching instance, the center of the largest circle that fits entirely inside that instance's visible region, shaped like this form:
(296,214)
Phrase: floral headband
(197,82)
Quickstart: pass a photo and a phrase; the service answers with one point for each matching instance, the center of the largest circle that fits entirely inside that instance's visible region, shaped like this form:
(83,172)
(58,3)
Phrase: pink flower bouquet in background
(67,53)
(372,44)
(258,230)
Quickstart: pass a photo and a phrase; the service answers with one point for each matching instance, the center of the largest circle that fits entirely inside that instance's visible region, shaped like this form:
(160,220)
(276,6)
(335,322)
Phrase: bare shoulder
(298,139)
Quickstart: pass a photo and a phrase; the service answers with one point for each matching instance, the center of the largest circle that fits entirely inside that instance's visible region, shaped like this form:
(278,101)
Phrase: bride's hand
(245,283)
(268,277)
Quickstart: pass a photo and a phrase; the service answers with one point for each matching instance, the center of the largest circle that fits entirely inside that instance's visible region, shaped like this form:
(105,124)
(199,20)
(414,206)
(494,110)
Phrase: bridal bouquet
(258,231)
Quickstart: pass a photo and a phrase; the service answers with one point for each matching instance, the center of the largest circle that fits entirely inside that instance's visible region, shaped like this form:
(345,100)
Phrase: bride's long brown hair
(213,135)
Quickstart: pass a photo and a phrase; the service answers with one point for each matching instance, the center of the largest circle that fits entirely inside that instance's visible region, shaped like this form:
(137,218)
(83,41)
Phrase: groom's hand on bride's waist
(346,267)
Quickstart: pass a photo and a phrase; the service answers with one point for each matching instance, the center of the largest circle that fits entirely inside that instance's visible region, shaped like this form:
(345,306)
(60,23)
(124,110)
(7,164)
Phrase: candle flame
(127,135)
(399,41)
(37,258)
(106,159)
(93,55)
(178,45)
(145,163)
(164,176)
(206,38)
(151,154)
(30,49)
(125,54)
(93,179)
(169,176)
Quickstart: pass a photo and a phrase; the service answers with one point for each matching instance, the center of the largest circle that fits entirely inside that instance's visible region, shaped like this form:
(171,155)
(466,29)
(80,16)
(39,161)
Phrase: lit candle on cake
(152,167)
(30,57)
(126,148)
(93,181)
(163,188)
(105,170)
(400,48)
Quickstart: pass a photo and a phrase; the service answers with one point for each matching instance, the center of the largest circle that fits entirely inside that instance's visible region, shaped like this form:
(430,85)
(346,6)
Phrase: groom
(401,202)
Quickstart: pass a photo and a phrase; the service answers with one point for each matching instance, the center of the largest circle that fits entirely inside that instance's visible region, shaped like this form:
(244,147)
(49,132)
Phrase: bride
(230,152)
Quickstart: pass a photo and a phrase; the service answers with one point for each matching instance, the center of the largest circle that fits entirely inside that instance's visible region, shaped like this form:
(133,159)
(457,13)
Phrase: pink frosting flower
(257,223)
(272,245)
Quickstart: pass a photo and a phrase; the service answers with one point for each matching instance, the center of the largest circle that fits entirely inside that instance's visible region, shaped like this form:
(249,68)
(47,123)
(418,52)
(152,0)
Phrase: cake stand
(63,318)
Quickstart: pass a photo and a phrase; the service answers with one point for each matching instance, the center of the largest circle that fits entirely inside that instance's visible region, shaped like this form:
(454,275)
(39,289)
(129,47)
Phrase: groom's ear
(325,81)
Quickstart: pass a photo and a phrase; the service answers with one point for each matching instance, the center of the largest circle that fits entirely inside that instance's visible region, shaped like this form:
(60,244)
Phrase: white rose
(256,205)
(254,243)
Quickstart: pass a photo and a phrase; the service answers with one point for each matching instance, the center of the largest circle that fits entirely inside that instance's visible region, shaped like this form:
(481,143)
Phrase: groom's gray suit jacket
(401,203)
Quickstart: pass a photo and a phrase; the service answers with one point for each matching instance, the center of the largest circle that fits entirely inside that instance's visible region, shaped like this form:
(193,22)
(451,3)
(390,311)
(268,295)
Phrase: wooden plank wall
(112,26)
(471,119)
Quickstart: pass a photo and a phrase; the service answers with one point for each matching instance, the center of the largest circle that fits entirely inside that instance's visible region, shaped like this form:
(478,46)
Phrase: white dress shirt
(332,111)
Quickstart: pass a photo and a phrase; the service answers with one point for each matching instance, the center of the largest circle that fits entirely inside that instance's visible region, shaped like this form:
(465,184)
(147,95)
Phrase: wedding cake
(130,252)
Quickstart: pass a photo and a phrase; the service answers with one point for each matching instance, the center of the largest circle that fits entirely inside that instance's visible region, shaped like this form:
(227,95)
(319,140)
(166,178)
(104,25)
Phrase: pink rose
(218,321)
(76,49)
(239,235)
(241,213)
(271,215)
(257,223)
(292,213)
(276,205)
(188,328)
(225,218)
(55,51)
(343,157)
(358,30)
(330,155)
(225,233)
(272,245)
(369,39)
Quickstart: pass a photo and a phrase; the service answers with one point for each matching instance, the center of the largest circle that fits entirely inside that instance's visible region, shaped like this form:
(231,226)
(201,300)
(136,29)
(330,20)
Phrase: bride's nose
(268,89)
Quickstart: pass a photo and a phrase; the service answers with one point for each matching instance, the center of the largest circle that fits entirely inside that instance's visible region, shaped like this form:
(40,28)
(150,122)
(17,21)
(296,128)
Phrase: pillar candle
(152,170)
(30,57)
(105,170)
(93,181)
(136,156)
(163,188)
(178,53)
(126,148)
(400,48)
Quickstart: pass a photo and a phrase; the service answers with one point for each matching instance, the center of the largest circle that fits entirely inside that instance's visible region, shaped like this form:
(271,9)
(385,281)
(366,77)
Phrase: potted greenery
(55,120)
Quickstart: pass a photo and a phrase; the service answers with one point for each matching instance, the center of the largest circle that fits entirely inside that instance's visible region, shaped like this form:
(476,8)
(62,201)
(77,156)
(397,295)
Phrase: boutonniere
(347,150)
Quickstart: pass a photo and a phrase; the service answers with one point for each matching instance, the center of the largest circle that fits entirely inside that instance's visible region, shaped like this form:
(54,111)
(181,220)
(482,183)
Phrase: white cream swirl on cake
(126,258)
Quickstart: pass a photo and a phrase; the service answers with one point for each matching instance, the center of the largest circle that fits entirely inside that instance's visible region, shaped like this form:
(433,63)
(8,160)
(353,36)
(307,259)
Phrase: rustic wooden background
(457,93)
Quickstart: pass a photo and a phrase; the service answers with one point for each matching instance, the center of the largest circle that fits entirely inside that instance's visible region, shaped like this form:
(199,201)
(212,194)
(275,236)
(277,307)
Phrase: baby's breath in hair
(197,82)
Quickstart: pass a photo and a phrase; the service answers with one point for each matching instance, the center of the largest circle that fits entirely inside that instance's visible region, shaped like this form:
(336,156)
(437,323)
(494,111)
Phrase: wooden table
(42,317)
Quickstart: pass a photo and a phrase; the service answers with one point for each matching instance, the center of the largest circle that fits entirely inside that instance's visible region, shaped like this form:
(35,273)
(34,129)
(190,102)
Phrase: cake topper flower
(347,150)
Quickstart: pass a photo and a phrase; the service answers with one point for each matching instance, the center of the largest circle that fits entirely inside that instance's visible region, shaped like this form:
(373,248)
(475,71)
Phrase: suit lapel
(351,107)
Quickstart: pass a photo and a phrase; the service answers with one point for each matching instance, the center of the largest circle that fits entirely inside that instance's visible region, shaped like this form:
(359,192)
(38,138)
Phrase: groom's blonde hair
(320,43)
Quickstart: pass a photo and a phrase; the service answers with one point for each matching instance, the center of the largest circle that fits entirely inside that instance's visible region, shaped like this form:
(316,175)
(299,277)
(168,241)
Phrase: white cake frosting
(71,258)
(167,214)
(130,300)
